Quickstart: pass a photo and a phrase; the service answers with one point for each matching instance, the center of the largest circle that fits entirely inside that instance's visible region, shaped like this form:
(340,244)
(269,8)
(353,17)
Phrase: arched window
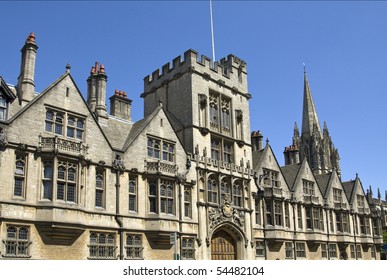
(166,198)
(102,246)
(187,202)
(152,195)
(225,190)
(3,108)
(66,182)
(237,195)
(133,246)
(212,191)
(47,179)
(99,189)
(133,193)
(17,242)
(19,179)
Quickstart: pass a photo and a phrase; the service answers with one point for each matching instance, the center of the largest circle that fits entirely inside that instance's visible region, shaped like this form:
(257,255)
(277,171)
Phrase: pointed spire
(371,190)
(379,195)
(309,114)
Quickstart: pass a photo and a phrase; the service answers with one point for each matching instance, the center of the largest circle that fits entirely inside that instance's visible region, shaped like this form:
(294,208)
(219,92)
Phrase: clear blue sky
(343,44)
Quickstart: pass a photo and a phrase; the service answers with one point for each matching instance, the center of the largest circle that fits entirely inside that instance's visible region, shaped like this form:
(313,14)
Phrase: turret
(26,84)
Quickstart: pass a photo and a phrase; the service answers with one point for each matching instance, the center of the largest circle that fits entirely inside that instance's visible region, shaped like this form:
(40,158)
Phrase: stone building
(188,180)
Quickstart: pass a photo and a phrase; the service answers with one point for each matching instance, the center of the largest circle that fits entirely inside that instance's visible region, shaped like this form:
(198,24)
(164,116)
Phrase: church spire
(309,114)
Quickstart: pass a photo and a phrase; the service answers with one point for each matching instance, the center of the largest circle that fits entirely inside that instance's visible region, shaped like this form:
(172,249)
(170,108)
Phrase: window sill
(100,258)
(18,198)
(15,256)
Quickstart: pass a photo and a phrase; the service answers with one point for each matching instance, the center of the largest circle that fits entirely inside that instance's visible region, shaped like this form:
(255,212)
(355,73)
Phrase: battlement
(230,68)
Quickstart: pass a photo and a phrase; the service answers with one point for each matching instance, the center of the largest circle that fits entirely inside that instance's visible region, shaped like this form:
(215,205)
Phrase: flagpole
(212,34)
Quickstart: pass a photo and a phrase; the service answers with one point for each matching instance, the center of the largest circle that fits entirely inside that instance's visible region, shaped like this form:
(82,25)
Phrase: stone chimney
(256,140)
(92,88)
(292,155)
(96,90)
(120,105)
(26,84)
(101,108)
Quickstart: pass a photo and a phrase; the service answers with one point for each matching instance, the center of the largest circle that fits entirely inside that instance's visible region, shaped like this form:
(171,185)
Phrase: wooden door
(223,246)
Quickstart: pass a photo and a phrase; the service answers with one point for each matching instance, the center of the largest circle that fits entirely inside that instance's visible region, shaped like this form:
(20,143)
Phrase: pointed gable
(268,162)
(335,192)
(356,196)
(304,185)
(156,127)
(76,122)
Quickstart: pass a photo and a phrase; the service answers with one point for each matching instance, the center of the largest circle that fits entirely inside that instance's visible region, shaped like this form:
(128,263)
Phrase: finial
(160,102)
(267,141)
(304,67)
(379,195)
(68,67)
(357,175)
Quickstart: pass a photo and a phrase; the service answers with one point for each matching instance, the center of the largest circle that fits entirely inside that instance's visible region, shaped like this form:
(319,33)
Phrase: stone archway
(223,246)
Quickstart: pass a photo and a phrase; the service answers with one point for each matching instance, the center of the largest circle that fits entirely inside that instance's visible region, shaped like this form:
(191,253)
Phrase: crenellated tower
(313,144)
(208,102)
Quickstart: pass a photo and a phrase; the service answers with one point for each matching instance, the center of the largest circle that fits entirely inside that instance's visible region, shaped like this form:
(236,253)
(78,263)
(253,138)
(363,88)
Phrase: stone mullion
(54,177)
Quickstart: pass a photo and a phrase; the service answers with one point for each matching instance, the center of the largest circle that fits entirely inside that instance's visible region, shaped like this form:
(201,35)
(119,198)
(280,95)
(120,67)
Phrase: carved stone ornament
(3,139)
(224,213)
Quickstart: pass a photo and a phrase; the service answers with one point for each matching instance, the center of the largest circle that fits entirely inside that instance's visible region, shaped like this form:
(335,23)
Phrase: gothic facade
(187,181)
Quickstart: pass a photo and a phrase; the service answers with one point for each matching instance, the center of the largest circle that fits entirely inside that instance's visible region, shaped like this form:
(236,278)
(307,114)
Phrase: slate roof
(117,131)
(348,187)
(290,173)
(322,181)
(256,157)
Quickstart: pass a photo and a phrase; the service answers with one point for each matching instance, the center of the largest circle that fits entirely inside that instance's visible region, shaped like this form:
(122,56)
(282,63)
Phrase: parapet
(230,70)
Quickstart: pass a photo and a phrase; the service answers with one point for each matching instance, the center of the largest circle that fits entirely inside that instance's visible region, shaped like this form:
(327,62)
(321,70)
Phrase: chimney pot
(102,68)
(31,37)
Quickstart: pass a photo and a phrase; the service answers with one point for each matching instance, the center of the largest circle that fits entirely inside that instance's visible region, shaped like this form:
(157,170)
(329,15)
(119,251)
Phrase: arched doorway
(223,246)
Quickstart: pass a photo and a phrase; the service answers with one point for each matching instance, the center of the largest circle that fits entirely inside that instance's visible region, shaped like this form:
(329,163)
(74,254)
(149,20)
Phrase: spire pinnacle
(309,114)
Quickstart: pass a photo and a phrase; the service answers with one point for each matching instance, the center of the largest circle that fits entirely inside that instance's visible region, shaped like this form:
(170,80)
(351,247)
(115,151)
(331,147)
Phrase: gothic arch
(234,242)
